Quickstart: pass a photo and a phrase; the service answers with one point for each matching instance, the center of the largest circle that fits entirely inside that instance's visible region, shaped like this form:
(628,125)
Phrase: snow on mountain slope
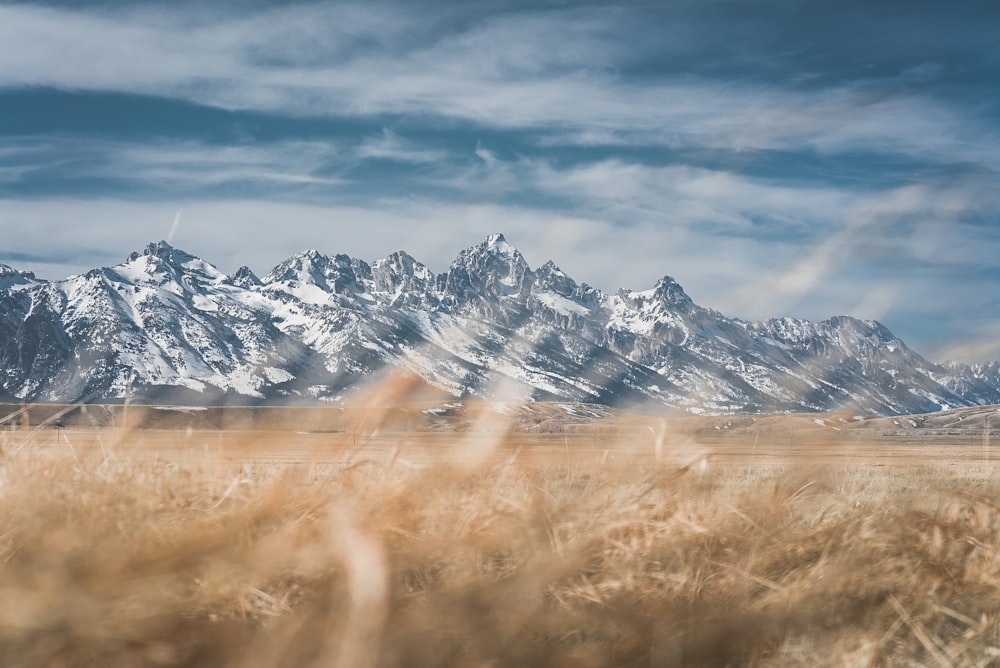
(165,324)
(12,279)
(975,383)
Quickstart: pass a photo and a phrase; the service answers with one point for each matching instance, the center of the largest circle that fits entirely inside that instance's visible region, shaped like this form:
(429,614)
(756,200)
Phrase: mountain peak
(670,291)
(244,278)
(494,246)
(497,242)
(401,263)
(859,329)
(492,268)
(7,271)
(308,266)
(160,261)
(163,250)
(666,293)
(159,249)
(13,278)
(550,277)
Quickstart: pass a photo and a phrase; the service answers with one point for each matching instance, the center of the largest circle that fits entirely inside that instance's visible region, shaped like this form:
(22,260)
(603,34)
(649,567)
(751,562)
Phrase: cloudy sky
(777,157)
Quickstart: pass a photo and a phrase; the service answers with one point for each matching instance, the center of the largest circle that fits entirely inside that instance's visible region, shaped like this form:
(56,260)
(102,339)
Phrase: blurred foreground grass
(111,560)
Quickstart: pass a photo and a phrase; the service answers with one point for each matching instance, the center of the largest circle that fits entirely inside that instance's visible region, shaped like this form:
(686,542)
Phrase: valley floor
(620,541)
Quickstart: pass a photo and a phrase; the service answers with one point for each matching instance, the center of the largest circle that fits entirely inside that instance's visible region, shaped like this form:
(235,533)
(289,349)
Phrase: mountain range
(166,326)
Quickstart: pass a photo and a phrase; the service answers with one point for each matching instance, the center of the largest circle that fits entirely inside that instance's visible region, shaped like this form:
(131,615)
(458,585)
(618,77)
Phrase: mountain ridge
(167,325)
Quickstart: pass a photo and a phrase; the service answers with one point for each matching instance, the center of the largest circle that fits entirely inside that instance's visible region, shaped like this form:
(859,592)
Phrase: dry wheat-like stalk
(188,555)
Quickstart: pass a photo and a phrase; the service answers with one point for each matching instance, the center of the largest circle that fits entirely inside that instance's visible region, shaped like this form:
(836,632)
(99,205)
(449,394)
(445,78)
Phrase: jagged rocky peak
(402,263)
(398,270)
(347,275)
(492,268)
(669,291)
(854,332)
(988,372)
(244,278)
(9,271)
(984,369)
(162,259)
(978,383)
(551,277)
(163,251)
(340,274)
(12,278)
(498,243)
(309,267)
(305,267)
(666,293)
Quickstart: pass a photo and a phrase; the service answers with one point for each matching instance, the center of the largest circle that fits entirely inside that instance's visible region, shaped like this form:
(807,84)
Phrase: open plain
(437,432)
(482,533)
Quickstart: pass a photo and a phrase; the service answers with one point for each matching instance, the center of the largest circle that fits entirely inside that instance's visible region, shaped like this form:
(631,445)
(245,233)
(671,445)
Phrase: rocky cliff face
(168,326)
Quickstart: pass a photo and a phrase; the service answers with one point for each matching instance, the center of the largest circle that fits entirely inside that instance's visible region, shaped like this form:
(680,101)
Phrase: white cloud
(486,155)
(559,71)
(896,228)
(181,162)
(686,196)
(979,345)
(392,146)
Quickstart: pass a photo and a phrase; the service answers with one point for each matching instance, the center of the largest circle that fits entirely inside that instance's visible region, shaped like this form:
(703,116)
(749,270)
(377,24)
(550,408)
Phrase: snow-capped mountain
(11,278)
(167,326)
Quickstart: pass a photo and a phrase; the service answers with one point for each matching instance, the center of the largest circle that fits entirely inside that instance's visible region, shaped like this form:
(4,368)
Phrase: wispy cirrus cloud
(167,166)
(566,73)
(390,145)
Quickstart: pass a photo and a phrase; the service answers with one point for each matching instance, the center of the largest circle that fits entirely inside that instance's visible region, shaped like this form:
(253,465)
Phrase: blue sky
(775,157)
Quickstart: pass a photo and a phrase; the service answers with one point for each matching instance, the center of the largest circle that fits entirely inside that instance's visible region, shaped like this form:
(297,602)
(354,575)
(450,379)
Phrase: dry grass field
(391,536)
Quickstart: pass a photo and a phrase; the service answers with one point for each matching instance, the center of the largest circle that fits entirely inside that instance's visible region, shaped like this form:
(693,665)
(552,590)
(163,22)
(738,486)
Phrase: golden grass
(112,557)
